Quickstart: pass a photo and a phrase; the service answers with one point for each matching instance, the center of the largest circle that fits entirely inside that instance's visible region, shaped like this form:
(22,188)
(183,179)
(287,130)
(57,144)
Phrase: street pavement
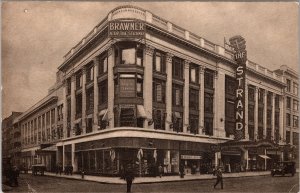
(261,183)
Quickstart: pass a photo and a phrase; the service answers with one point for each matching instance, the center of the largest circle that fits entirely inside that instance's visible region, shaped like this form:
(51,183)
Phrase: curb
(151,182)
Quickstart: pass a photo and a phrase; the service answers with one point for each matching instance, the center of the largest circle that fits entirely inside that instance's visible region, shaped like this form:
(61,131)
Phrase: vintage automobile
(284,167)
(38,168)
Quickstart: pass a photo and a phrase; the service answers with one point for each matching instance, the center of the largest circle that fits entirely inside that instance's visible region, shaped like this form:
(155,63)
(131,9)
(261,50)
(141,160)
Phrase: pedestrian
(160,170)
(181,171)
(218,173)
(15,176)
(129,176)
(60,167)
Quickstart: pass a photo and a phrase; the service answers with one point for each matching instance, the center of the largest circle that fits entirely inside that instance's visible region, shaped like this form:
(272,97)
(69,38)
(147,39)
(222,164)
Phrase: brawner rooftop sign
(240,56)
(121,28)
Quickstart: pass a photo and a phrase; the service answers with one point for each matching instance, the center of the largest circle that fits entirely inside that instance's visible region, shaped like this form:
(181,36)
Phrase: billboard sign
(126,28)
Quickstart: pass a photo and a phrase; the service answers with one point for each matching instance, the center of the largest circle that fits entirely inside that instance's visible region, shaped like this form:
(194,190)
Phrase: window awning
(89,116)
(177,115)
(141,112)
(264,157)
(104,114)
(77,121)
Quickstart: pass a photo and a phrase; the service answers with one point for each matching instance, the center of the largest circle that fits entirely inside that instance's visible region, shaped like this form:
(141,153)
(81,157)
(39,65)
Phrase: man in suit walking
(218,173)
(129,176)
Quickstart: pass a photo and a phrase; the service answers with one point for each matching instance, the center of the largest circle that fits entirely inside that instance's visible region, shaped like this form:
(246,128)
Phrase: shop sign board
(126,28)
(195,157)
(240,56)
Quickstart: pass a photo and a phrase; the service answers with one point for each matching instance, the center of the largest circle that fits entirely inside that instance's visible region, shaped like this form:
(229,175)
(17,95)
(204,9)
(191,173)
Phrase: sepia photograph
(150,96)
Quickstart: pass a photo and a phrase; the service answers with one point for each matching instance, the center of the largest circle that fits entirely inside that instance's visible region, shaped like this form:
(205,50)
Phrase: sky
(36,36)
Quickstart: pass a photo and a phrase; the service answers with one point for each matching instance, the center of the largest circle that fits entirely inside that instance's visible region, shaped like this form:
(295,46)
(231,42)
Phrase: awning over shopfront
(141,112)
(264,157)
(89,116)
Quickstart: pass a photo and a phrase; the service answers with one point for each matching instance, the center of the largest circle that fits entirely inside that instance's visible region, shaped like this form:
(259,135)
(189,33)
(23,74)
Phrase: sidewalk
(147,180)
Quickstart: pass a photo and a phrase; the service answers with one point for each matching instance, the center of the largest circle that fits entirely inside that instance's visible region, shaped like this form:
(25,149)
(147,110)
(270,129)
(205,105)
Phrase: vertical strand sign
(240,56)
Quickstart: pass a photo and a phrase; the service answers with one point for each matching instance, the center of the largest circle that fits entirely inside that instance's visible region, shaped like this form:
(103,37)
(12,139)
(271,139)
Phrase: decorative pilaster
(110,79)
(216,103)
(273,115)
(148,87)
(186,95)
(169,91)
(83,120)
(246,114)
(73,103)
(281,120)
(265,114)
(65,110)
(201,99)
(96,93)
(256,114)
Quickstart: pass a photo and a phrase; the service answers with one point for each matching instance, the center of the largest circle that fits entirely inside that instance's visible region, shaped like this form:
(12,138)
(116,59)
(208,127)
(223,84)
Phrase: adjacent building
(140,89)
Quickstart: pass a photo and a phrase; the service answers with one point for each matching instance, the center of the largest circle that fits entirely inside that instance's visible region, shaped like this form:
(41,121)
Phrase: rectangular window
(230,85)
(89,125)
(194,99)
(295,121)
(288,85)
(78,105)
(208,103)
(288,102)
(103,92)
(269,118)
(288,119)
(277,119)
(68,86)
(90,73)
(251,94)
(295,105)
(177,95)
(48,118)
(194,73)
(251,132)
(260,132)
(276,102)
(159,91)
(260,115)
(90,100)
(288,137)
(295,88)
(269,99)
(159,62)
(209,79)
(103,65)
(177,68)
(128,56)
(159,119)
(139,86)
(251,113)
(52,116)
(295,138)
(78,80)
(194,124)
(208,126)
(261,93)
(229,109)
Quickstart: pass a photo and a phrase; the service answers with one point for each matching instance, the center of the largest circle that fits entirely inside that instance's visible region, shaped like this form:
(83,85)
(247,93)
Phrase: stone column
(219,104)
(273,115)
(186,95)
(281,120)
(265,113)
(83,108)
(256,114)
(74,163)
(64,157)
(65,110)
(201,99)
(216,103)
(169,91)
(73,103)
(50,123)
(111,90)
(246,113)
(96,94)
(148,90)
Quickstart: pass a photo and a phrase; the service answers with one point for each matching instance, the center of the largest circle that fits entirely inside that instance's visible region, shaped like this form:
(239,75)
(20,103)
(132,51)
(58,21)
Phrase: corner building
(140,89)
